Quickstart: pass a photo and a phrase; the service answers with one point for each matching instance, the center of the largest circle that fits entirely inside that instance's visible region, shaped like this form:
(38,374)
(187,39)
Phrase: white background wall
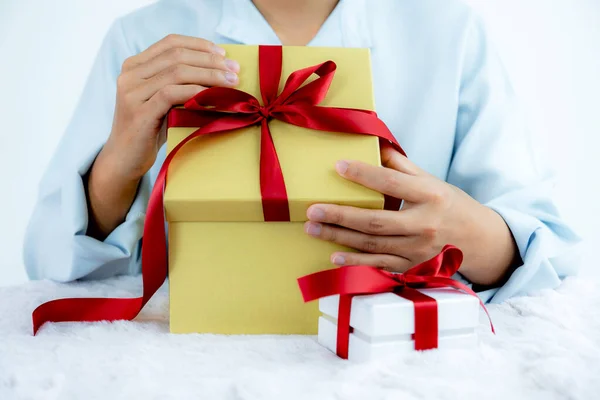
(551,48)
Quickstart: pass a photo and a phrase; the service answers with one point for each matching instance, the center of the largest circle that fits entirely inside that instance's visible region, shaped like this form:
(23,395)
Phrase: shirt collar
(347,26)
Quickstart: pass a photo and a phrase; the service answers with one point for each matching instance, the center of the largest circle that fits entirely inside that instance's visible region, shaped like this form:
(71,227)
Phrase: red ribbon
(362,280)
(221,110)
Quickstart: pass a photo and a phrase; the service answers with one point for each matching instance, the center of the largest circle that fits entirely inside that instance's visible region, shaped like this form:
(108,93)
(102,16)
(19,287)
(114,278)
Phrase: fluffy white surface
(547,347)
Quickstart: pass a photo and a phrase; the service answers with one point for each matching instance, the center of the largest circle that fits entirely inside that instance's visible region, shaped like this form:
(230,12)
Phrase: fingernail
(339,260)
(316,213)
(313,229)
(218,50)
(341,167)
(232,65)
(231,77)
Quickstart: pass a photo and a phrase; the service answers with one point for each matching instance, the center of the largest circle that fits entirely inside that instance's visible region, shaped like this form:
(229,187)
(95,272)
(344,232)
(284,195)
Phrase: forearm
(109,196)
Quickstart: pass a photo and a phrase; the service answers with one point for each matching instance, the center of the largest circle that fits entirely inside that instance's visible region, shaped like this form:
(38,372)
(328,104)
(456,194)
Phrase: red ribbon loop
(363,280)
(221,109)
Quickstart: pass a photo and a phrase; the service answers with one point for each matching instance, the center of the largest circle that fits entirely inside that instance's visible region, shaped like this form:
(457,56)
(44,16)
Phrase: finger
(373,222)
(185,75)
(384,180)
(167,97)
(386,262)
(181,55)
(393,159)
(172,41)
(353,239)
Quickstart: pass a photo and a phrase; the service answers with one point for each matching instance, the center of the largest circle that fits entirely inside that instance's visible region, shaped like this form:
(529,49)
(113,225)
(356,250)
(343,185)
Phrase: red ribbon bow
(221,110)
(362,280)
(296,105)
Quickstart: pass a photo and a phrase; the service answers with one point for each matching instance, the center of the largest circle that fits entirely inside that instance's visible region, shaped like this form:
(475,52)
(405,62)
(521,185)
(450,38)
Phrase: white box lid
(387,314)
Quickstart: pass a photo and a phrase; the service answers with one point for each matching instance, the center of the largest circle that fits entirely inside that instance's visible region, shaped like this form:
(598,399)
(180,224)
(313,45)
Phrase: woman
(471,179)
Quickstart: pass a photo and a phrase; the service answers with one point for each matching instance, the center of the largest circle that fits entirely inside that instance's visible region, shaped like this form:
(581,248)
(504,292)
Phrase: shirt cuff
(546,247)
(57,246)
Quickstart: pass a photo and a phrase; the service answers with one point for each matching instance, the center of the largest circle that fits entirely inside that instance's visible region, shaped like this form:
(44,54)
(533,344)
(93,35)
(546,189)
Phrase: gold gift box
(229,271)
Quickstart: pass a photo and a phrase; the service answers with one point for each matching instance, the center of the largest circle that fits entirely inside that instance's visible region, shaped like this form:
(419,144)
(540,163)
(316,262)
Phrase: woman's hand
(168,73)
(434,214)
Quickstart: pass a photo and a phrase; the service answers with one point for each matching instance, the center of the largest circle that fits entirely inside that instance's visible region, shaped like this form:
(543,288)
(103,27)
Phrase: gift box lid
(387,314)
(216,177)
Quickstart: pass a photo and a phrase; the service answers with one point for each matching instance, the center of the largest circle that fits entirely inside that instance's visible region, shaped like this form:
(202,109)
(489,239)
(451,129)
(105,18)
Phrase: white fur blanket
(547,347)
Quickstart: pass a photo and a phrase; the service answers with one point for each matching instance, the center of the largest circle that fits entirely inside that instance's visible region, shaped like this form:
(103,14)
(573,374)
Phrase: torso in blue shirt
(439,86)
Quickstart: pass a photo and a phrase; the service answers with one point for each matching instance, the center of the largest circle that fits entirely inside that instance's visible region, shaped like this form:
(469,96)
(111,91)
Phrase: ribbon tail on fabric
(154,272)
(154,254)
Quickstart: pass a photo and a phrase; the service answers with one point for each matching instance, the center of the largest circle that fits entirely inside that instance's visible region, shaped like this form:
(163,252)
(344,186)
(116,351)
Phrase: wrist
(109,196)
(489,247)
(116,165)
(108,177)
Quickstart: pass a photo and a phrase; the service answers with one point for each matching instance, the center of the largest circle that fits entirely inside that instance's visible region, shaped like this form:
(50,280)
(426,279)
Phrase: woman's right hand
(167,74)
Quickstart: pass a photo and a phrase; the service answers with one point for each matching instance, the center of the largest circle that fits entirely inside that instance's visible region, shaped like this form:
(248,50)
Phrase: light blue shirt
(439,86)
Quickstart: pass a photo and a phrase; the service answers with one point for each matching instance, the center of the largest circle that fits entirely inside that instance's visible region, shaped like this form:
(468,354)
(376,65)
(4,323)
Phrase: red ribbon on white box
(363,280)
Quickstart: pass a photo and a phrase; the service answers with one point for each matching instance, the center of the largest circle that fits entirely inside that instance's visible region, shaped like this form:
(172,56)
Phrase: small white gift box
(383,324)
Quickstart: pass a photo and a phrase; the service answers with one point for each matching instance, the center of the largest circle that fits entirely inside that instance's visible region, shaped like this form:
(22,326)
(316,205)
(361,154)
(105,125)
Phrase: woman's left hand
(434,214)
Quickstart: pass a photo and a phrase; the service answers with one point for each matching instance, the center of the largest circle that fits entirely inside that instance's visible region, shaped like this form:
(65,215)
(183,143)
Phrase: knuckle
(330,234)
(171,38)
(122,81)
(430,232)
(166,93)
(177,54)
(439,196)
(207,45)
(375,224)
(215,59)
(177,72)
(370,245)
(127,63)
(169,71)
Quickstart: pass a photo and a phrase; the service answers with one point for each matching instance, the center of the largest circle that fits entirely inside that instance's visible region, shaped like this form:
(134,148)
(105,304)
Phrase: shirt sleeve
(495,162)
(56,246)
